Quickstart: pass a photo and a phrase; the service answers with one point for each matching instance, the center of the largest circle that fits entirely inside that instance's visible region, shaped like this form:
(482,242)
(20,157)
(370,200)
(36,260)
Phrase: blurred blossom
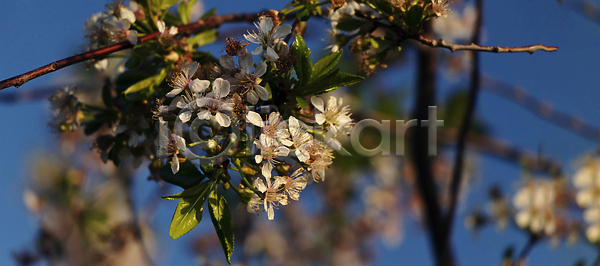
(535,203)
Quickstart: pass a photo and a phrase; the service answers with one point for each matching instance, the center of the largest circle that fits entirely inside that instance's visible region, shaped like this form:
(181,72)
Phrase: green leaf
(303,64)
(145,49)
(303,15)
(189,210)
(202,38)
(190,192)
(185,11)
(209,13)
(383,6)
(326,64)
(145,83)
(329,82)
(350,24)
(167,3)
(301,102)
(221,218)
(414,16)
(133,61)
(187,176)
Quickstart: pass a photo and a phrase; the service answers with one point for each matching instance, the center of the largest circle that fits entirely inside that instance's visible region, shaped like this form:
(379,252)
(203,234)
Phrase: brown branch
(474,47)
(504,150)
(211,22)
(541,109)
(465,127)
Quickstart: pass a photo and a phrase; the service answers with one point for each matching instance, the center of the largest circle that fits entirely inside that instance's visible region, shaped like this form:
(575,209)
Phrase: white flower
(250,81)
(294,184)
(300,139)
(118,30)
(269,151)
(440,8)
(267,37)
(273,128)
(320,157)
(182,78)
(334,118)
(169,146)
(272,195)
(214,105)
(535,206)
(166,35)
(592,216)
(587,179)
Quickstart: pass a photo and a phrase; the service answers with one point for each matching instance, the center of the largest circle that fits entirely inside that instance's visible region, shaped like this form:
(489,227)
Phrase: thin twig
(464,128)
(541,109)
(474,47)
(211,22)
(533,239)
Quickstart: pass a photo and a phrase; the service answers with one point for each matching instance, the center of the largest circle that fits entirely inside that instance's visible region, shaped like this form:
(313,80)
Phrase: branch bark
(492,49)
(464,128)
(211,22)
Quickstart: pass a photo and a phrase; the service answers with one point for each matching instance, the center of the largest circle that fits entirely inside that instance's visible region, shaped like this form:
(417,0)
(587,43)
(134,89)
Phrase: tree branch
(211,22)
(541,109)
(478,48)
(464,128)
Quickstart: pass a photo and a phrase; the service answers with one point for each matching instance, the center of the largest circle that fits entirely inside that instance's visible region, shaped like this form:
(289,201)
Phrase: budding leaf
(301,102)
(145,49)
(383,6)
(326,64)
(167,3)
(303,15)
(189,209)
(147,82)
(303,64)
(221,218)
(202,38)
(350,24)
(187,176)
(185,11)
(329,82)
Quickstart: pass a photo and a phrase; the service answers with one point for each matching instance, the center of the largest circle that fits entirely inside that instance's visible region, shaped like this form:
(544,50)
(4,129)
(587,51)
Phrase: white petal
(252,97)
(593,233)
(260,185)
(174,165)
(132,36)
(185,116)
(199,86)
(257,51)
(270,212)
(226,62)
(266,24)
(174,92)
(251,38)
(161,26)
(221,87)
(180,142)
(523,219)
(258,158)
(286,142)
(317,103)
(204,114)
(302,155)
(266,169)
(320,119)
(201,102)
(260,69)
(255,119)
(128,15)
(120,129)
(246,63)
(262,92)
(223,119)
(173,31)
(283,151)
(281,31)
(271,55)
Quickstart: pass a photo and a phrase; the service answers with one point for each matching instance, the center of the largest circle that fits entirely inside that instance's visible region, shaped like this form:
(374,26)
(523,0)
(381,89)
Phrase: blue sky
(38,32)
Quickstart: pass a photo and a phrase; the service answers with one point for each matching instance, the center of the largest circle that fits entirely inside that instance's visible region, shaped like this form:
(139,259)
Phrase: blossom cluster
(112,25)
(587,181)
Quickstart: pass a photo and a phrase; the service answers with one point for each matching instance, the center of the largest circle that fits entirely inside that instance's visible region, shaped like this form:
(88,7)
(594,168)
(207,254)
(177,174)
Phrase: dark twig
(464,128)
(425,183)
(541,109)
(474,47)
(211,22)
(533,239)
